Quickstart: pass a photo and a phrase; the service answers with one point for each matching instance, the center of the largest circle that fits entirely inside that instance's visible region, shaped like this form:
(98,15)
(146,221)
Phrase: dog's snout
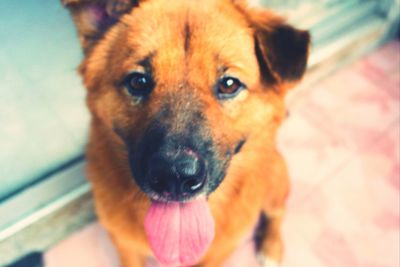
(176,174)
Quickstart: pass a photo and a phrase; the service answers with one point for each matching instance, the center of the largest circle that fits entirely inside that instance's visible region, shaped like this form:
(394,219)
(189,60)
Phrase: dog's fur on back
(187,46)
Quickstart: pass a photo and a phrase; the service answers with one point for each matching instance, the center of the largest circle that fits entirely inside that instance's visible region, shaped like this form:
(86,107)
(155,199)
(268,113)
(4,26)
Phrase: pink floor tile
(357,103)
(311,154)
(298,251)
(90,247)
(382,68)
(353,219)
(349,107)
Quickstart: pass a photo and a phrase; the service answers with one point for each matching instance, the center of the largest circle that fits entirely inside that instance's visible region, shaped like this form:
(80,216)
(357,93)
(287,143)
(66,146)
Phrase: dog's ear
(93,17)
(282,50)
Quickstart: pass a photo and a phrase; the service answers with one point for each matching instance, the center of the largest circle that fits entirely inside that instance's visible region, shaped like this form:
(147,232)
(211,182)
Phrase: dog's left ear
(282,50)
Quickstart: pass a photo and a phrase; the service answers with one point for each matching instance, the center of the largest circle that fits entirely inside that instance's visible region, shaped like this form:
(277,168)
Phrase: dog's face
(181,84)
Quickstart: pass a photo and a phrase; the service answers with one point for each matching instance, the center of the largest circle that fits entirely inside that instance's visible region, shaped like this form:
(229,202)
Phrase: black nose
(176,174)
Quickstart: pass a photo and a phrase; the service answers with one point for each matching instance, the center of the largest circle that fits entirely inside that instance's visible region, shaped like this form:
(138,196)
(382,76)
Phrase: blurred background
(341,139)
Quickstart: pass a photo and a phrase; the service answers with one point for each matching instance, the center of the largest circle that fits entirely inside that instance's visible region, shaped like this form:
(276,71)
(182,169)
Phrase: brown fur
(189,44)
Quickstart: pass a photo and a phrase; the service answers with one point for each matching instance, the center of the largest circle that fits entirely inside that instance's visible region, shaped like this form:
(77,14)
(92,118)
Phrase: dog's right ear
(93,17)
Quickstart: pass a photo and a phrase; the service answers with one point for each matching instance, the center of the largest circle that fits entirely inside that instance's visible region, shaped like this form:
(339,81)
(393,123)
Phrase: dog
(186,98)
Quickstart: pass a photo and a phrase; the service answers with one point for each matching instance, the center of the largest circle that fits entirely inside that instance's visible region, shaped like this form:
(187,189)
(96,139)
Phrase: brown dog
(186,97)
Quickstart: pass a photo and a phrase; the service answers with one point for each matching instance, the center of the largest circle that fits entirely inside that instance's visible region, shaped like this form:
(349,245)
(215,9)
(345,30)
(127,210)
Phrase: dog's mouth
(179,233)
(179,224)
(178,172)
(180,227)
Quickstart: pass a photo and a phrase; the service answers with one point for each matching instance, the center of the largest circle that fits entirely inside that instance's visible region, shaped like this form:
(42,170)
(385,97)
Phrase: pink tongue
(179,233)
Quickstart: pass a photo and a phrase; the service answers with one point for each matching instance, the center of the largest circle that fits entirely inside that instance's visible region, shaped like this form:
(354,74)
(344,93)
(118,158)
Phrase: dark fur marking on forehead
(186,36)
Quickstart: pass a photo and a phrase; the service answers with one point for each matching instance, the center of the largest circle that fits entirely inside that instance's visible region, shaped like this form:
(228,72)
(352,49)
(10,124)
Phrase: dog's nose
(176,174)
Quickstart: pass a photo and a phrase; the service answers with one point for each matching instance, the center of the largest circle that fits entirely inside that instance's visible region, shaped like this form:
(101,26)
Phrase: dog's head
(185,85)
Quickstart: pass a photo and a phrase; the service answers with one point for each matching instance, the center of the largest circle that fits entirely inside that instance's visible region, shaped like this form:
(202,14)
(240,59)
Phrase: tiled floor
(342,144)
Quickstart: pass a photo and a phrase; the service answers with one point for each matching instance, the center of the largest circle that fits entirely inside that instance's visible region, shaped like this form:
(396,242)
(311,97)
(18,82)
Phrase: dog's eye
(229,87)
(138,84)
